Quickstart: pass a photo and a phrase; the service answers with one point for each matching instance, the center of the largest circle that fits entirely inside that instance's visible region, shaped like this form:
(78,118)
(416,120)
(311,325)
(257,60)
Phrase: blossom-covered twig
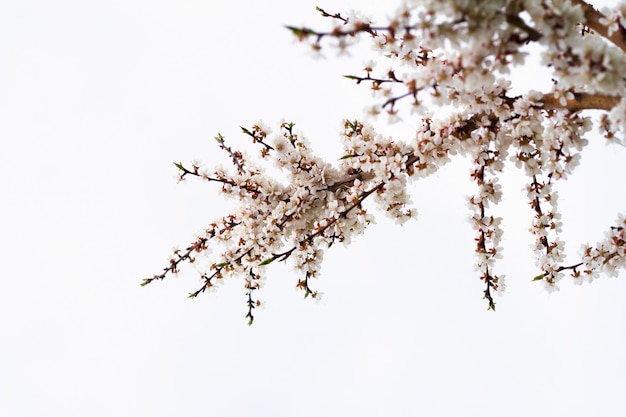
(235,156)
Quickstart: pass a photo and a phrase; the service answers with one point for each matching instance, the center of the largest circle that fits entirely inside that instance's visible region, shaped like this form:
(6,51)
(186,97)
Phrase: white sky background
(97,99)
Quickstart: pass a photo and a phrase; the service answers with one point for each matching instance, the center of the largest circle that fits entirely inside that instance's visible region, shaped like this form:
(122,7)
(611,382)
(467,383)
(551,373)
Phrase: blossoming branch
(445,53)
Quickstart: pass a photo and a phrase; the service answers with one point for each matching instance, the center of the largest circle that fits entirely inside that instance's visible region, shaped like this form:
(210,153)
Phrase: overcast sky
(98,98)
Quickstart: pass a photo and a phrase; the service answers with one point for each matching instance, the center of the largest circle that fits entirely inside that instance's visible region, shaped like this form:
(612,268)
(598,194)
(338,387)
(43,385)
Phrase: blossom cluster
(448,54)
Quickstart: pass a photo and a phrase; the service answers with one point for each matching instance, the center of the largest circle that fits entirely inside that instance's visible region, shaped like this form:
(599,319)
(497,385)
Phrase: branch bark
(581,101)
(592,19)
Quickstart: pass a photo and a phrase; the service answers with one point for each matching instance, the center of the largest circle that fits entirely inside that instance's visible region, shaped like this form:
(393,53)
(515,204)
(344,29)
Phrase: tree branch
(515,20)
(592,19)
(581,101)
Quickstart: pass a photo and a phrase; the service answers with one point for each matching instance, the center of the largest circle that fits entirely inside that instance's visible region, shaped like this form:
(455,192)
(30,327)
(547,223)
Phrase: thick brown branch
(349,181)
(581,101)
(515,20)
(592,19)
